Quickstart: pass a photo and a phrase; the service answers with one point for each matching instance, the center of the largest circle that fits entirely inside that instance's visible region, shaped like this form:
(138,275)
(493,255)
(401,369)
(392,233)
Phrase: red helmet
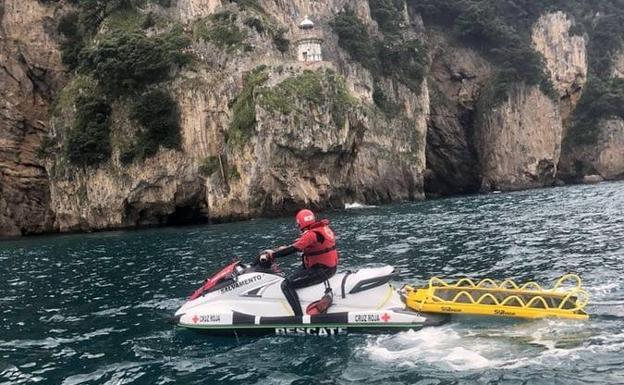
(305,218)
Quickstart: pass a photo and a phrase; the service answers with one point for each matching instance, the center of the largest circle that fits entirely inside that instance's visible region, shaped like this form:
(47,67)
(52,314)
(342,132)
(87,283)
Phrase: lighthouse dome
(306,23)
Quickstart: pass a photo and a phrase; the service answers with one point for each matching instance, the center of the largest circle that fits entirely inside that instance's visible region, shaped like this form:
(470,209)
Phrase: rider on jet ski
(320,257)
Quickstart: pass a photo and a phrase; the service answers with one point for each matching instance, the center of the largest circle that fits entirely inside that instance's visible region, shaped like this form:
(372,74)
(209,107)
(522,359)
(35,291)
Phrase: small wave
(54,342)
(121,373)
(190,365)
(162,304)
(91,356)
(605,290)
(112,312)
(356,205)
(58,318)
(16,376)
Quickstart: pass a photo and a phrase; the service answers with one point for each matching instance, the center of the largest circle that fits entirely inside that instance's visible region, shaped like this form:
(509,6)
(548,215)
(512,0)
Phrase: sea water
(93,308)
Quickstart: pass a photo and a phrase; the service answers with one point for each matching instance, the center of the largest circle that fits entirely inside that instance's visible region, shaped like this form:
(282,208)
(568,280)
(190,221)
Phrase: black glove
(265,259)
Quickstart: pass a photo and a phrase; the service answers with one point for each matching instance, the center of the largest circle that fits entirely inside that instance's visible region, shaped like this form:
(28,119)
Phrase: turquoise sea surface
(93,308)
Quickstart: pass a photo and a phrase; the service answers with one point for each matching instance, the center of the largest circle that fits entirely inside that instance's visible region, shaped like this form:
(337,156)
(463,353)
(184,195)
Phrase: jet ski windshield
(229,274)
(226,274)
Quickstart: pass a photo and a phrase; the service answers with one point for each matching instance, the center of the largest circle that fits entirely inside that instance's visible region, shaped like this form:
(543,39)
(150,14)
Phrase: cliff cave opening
(451,156)
(187,215)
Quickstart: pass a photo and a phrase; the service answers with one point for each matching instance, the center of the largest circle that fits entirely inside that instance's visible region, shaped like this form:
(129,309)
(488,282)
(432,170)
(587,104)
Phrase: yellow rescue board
(504,299)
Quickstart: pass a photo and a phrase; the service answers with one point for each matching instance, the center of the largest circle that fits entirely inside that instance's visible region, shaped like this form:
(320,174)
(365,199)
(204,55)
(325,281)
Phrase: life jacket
(323,252)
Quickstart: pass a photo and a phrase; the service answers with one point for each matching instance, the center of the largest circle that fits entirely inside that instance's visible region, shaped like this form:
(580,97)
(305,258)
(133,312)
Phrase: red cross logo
(385,317)
(195,319)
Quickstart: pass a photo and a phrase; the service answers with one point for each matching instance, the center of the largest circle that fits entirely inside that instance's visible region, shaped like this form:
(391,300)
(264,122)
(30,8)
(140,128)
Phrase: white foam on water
(463,359)
(563,343)
(462,346)
(399,248)
(439,346)
(604,292)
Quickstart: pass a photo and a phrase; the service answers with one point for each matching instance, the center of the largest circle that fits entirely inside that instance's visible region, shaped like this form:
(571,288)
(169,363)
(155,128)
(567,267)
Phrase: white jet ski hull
(251,302)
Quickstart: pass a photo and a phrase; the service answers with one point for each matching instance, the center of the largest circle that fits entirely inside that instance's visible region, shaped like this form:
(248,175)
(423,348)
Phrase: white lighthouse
(308,42)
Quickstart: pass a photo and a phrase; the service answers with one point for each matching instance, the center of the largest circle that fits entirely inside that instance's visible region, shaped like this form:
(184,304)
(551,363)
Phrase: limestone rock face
(610,149)
(164,191)
(302,158)
(618,66)
(604,158)
(288,160)
(390,163)
(565,55)
(190,10)
(30,73)
(519,142)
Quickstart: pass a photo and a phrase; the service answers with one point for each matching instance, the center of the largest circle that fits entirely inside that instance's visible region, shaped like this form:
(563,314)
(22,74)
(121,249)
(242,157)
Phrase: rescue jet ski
(246,299)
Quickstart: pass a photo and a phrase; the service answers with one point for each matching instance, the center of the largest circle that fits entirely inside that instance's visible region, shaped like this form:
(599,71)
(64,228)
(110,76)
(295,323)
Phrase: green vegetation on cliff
(209,166)
(222,30)
(501,32)
(386,105)
(88,142)
(403,60)
(280,41)
(244,107)
(158,116)
(212,164)
(72,39)
(602,99)
(312,88)
(354,38)
(248,4)
(106,45)
(387,14)
(293,96)
(125,63)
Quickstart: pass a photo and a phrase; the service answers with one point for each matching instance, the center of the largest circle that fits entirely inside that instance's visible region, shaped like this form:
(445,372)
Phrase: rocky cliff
(316,139)
(476,144)
(519,142)
(602,158)
(261,133)
(565,56)
(30,74)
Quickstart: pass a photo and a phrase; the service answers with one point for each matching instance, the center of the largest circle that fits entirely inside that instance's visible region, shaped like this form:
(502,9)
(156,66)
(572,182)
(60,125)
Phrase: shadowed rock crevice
(456,79)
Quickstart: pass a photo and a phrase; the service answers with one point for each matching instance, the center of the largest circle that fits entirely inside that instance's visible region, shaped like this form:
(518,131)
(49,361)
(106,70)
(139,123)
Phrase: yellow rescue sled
(505,299)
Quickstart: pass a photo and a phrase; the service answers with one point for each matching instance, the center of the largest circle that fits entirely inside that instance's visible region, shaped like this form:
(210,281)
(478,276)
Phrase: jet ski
(246,299)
